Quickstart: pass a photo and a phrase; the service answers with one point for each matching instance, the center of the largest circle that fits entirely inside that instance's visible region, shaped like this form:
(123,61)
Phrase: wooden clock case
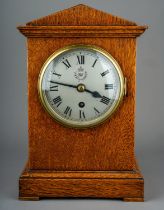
(96,162)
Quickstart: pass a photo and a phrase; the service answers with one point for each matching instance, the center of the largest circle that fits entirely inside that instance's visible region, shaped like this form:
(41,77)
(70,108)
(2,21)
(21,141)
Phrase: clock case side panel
(54,147)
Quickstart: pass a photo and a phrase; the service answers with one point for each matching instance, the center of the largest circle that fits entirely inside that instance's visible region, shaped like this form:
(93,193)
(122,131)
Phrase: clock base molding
(126,185)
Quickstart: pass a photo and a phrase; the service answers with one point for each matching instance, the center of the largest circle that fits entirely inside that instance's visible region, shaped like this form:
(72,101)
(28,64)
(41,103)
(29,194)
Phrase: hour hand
(82,88)
(95,94)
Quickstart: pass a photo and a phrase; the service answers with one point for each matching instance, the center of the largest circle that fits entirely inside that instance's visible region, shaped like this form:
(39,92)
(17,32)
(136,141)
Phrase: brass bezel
(82,124)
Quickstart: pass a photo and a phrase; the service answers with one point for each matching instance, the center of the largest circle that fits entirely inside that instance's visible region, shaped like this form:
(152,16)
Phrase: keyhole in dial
(81,104)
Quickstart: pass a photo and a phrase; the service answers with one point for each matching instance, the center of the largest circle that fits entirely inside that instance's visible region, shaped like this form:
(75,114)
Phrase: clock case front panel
(109,146)
(65,162)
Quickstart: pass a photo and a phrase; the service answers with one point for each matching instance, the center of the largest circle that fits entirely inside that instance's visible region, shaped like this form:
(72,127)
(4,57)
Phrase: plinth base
(126,185)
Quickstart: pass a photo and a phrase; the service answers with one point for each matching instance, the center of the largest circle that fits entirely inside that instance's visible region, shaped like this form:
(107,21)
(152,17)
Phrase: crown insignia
(80,74)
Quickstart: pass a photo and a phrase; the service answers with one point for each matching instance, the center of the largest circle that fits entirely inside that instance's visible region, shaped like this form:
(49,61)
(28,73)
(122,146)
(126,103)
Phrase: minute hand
(64,84)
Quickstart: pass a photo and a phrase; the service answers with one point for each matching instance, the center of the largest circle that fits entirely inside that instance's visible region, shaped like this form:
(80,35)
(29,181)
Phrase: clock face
(81,86)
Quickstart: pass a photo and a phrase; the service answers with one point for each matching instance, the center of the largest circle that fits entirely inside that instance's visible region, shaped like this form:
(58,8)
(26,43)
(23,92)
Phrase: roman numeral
(80,59)
(58,75)
(105,100)
(66,63)
(54,88)
(94,63)
(96,111)
(104,73)
(57,101)
(81,114)
(108,86)
(68,111)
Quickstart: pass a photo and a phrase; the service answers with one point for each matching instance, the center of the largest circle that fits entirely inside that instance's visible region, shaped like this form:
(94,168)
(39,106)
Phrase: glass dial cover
(81,86)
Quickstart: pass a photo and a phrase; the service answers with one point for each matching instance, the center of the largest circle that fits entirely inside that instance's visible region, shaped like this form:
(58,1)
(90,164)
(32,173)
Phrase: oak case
(95,162)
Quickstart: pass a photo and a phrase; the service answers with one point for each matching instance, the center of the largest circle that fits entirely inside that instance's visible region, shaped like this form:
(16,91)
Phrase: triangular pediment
(81,15)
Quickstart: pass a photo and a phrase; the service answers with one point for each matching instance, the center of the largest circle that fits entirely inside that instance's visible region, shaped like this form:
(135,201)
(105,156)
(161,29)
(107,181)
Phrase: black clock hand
(64,84)
(95,94)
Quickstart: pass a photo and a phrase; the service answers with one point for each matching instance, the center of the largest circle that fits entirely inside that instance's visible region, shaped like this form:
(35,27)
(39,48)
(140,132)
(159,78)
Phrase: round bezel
(80,124)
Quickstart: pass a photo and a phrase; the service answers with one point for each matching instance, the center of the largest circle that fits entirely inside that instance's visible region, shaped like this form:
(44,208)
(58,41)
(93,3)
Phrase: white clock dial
(81,86)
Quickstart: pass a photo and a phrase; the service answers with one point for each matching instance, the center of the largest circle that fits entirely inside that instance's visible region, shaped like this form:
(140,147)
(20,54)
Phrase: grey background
(150,100)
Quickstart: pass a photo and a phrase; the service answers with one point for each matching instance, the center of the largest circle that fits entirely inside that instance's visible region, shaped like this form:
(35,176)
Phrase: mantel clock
(81,106)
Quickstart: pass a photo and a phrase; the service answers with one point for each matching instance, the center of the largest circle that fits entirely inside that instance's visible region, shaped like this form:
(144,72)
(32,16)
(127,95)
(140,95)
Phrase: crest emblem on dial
(80,74)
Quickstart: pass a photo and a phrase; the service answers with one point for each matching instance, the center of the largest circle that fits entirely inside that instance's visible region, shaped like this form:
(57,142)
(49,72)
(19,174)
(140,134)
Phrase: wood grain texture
(95,162)
(80,15)
(62,148)
(79,24)
(134,174)
(81,31)
(37,185)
